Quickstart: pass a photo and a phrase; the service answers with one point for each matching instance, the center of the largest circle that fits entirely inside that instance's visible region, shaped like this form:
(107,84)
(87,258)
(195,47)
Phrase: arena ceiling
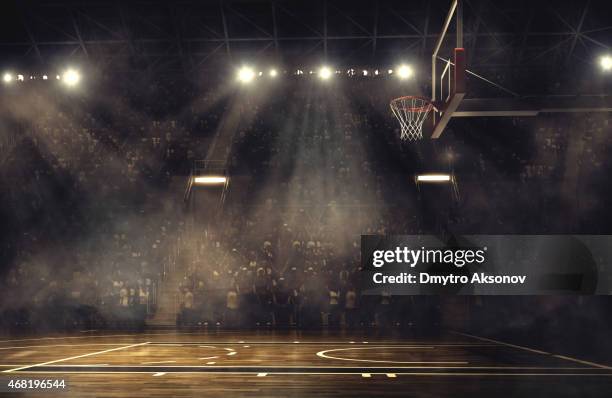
(190,35)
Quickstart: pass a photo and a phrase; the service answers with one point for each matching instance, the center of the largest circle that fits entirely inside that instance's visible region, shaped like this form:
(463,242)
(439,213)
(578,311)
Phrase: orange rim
(425,108)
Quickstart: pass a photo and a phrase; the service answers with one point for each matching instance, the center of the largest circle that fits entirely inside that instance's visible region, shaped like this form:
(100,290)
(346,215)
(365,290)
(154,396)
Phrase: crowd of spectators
(89,214)
(94,201)
(324,166)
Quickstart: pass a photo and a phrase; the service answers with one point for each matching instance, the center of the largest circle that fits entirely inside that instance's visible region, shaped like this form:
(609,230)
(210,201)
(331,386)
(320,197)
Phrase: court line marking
(323,354)
(318,367)
(75,357)
(102,336)
(181,334)
(57,345)
(597,365)
(159,374)
(386,343)
(209,346)
(583,362)
(51,366)
(176,333)
(325,367)
(262,374)
(156,362)
(341,373)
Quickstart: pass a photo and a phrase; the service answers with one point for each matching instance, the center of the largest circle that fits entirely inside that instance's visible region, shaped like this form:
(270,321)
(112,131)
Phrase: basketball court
(325,363)
(328,364)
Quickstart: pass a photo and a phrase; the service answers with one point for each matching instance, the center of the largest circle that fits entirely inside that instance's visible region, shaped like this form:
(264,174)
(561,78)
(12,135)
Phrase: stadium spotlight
(246,74)
(325,72)
(7,78)
(20,78)
(404,72)
(390,71)
(71,77)
(273,73)
(45,77)
(433,178)
(365,72)
(209,180)
(606,63)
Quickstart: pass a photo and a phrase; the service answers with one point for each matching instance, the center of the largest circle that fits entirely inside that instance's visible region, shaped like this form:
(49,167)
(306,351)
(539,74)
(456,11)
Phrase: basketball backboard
(449,85)
(448,80)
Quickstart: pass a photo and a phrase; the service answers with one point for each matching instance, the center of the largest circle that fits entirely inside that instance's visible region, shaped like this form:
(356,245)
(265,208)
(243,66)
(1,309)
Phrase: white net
(411,112)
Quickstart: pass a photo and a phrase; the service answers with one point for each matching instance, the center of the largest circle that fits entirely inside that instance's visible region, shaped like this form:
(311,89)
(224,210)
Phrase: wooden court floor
(293,364)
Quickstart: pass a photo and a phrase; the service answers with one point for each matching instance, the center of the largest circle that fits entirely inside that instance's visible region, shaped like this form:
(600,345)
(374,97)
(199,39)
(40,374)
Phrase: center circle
(326,354)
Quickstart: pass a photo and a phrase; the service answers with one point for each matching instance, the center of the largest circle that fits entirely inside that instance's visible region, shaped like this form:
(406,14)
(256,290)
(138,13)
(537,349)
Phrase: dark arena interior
(186,188)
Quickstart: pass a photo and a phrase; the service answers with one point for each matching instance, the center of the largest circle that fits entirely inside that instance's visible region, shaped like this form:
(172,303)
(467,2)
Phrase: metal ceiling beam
(77,31)
(426,28)
(325,38)
(578,31)
(350,19)
(563,36)
(274,25)
(127,34)
(474,38)
(525,35)
(176,25)
(26,25)
(225,30)
(288,13)
(375,27)
(248,20)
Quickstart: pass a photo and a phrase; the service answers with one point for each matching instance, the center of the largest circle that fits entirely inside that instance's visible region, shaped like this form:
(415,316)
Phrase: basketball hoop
(411,111)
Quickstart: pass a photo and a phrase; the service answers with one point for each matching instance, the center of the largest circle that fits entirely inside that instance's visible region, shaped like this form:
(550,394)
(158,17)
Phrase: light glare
(404,72)
(246,74)
(71,77)
(433,178)
(7,78)
(606,63)
(325,73)
(209,180)
(273,73)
